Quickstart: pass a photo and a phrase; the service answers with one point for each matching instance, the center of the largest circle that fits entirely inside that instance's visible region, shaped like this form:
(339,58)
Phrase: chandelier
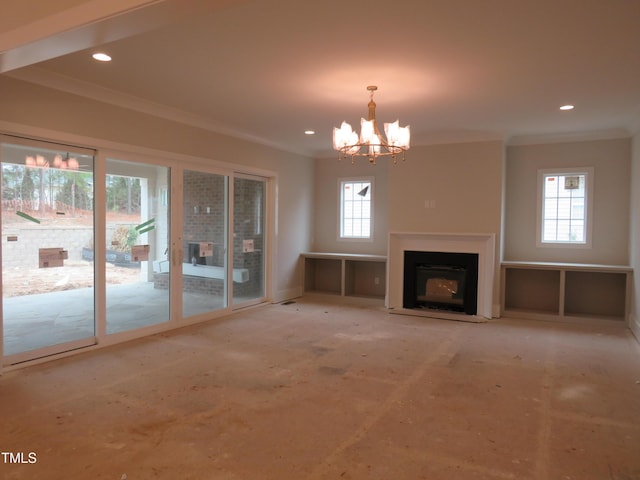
(371,143)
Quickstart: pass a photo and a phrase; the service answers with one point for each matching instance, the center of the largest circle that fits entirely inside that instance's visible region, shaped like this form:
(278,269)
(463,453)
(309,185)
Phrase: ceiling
(267,70)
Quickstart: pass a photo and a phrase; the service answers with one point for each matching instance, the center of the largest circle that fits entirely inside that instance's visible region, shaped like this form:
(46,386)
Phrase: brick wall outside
(204,210)
(247,194)
(204,213)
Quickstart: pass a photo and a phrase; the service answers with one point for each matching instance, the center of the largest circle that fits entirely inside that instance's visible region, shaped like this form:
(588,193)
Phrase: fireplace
(441,281)
(481,245)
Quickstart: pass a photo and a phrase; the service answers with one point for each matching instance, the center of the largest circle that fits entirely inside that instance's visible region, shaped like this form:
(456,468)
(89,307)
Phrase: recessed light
(101,57)
(567,107)
(309,132)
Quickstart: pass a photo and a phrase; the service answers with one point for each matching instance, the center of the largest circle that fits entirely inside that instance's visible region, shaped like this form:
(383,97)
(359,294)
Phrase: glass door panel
(204,259)
(47,223)
(249,201)
(137,240)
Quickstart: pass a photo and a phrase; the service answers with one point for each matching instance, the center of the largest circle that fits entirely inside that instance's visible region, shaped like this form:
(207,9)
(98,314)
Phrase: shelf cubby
(595,294)
(323,275)
(565,291)
(533,290)
(345,274)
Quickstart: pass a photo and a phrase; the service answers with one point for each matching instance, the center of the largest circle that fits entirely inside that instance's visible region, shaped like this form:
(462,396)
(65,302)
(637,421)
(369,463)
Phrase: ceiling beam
(87,24)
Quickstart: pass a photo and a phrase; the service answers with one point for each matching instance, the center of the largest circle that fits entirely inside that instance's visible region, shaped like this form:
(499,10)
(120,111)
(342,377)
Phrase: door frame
(72,345)
(176,162)
(269,235)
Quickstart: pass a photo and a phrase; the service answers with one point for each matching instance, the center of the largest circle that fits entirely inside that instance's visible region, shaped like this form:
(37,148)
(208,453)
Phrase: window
(356,208)
(564,207)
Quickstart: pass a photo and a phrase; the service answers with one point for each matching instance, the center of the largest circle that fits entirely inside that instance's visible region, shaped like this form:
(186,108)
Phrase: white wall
(610,234)
(460,183)
(42,109)
(328,171)
(454,188)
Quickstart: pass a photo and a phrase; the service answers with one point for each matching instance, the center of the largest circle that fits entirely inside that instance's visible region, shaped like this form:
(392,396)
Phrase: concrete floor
(317,390)
(46,319)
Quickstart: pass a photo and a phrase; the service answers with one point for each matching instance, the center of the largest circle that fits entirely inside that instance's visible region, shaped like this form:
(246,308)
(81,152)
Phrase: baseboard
(634,325)
(288,294)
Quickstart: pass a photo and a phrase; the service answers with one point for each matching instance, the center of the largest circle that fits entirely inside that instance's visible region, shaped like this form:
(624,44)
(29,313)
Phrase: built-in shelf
(345,274)
(565,291)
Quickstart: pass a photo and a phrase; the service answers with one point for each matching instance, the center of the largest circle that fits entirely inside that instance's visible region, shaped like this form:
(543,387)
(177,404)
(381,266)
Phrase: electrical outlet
(376,280)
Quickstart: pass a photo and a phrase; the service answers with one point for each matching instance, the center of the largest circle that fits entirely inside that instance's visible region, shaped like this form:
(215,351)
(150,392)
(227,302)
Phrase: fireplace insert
(441,281)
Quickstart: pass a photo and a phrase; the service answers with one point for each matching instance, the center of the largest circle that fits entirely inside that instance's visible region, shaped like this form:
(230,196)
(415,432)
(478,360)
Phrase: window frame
(588,173)
(341,182)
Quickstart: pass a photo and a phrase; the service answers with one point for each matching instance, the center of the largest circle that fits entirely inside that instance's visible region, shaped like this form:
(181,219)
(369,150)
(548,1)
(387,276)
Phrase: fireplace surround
(483,245)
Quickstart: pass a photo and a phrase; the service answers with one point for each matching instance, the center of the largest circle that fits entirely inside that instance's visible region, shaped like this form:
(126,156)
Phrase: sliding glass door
(63,288)
(204,242)
(47,225)
(249,206)
(137,245)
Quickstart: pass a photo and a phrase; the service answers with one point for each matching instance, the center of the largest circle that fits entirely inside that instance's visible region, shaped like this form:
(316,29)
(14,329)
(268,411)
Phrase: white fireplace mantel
(482,244)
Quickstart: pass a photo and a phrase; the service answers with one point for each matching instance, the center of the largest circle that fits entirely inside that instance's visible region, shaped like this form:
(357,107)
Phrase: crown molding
(56,81)
(463,136)
(438,138)
(46,78)
(609,134)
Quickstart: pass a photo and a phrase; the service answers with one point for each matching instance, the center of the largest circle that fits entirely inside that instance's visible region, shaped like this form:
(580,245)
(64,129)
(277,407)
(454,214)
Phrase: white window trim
(588,198)
(371,223)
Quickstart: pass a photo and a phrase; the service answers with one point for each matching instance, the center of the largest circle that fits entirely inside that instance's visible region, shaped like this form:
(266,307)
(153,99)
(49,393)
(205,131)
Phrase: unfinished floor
(317,390)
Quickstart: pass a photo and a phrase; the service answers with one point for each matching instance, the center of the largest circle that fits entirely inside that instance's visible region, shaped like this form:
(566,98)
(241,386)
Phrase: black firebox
(441,281)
